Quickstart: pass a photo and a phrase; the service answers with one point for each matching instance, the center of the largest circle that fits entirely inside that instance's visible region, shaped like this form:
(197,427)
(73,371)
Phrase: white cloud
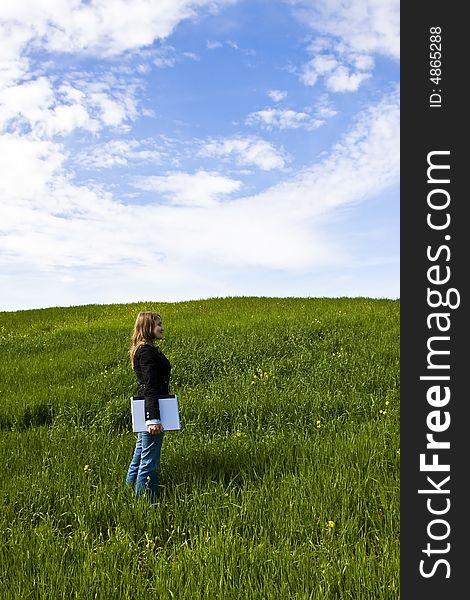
(214,44)
(13,39)
(344,81)
(365,161)
(27,166)
(65,118)
(106,28)
(235,46)
(164,56)
(167,56)
(103,29)
(59,231)
(279,228)
(46,110)
(201,189)
(112,112)
(246,151)
(192,56)
(28,100)
(34,104)
(277,95)
(320,65)
(349,35)
(343,72)
(324,64)
(365,26)
(118,152)
(362,62)
(324,108)
(308,75)
(270,118)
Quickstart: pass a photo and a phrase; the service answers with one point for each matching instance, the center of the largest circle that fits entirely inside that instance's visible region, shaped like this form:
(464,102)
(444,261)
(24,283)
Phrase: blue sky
(195,148)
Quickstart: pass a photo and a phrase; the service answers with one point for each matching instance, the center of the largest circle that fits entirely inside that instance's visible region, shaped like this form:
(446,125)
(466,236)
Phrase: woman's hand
(155,429)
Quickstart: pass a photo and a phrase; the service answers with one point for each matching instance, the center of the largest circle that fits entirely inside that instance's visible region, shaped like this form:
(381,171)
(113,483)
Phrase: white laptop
(169,413)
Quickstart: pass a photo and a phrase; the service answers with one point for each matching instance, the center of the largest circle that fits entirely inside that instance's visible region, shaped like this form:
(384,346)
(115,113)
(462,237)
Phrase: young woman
(152,369)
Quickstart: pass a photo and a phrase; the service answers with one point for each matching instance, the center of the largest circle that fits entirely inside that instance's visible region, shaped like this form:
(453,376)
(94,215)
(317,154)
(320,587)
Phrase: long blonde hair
(144,331)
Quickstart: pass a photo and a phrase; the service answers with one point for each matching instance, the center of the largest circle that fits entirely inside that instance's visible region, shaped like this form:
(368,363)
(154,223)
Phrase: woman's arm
(149,370)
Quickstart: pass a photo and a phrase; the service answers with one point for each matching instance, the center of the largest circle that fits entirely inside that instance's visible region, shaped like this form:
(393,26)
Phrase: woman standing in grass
(152,369)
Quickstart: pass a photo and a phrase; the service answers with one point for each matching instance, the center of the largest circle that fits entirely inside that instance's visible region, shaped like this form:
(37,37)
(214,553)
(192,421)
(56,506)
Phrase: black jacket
(153,373)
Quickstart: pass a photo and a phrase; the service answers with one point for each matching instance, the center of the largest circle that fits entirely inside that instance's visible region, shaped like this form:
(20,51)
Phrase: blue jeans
(144,464)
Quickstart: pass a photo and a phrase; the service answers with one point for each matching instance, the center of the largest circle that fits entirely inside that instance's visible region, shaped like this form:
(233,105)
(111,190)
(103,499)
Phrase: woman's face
(158,329)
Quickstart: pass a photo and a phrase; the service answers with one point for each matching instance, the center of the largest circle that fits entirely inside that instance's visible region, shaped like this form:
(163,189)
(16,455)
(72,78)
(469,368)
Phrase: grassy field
(282,483)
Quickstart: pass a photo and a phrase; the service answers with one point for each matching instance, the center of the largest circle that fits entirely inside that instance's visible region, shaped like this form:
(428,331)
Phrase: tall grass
(282,483)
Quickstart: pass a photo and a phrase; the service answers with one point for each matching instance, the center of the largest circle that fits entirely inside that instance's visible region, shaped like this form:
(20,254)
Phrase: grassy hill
(282,483)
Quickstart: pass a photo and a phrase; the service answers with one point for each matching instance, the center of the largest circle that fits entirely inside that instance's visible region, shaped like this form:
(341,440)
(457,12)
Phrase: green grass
(282,483)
